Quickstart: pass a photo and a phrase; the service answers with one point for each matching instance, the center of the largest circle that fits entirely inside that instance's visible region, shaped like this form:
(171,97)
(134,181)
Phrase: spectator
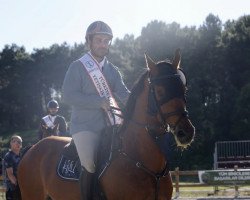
(11,161)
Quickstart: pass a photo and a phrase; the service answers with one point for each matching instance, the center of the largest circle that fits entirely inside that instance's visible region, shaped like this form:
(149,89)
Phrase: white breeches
(86,145)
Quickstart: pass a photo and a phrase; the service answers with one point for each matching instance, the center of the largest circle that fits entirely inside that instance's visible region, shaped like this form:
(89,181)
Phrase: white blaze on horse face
(177,59)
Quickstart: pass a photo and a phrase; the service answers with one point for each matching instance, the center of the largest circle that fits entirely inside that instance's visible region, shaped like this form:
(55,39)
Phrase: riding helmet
(98,27)
(53,104)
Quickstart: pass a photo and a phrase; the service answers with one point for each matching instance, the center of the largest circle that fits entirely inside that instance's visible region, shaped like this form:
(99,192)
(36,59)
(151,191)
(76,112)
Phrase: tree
(241,122)
(13,62)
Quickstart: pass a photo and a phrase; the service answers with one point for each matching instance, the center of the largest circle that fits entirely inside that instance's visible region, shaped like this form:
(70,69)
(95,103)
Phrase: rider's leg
(86,184)
(86,144)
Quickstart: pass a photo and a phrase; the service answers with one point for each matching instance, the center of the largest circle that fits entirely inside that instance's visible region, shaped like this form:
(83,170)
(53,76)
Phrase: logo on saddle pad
(69,169)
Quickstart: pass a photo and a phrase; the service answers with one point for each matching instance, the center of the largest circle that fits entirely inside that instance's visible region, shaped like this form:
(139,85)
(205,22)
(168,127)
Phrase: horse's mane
(130,105)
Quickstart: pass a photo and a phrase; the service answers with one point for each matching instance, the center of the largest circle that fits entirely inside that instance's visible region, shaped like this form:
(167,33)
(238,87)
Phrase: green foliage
(241,120)
(215,58)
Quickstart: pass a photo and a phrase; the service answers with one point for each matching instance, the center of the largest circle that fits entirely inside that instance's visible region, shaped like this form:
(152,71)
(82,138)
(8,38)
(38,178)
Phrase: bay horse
(138,169)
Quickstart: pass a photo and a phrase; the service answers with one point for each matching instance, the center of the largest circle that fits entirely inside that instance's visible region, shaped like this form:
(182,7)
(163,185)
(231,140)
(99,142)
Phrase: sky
(41,23)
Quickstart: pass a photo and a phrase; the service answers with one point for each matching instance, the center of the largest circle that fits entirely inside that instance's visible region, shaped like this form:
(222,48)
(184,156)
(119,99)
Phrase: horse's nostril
(184,137)
(181,134)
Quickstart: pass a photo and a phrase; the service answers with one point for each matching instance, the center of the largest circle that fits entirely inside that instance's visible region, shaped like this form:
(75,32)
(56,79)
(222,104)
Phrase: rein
(157,176)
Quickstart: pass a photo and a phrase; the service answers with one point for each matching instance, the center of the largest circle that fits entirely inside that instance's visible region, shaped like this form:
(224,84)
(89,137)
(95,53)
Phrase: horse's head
(48,131)
(166,99)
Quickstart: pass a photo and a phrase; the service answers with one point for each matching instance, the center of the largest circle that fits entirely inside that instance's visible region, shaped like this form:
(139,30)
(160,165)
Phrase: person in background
(52,124)
(11,161)
(91,86)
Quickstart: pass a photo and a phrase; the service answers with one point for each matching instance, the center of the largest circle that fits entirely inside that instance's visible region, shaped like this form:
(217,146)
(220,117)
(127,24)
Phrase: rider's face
(53,111)
(99,46)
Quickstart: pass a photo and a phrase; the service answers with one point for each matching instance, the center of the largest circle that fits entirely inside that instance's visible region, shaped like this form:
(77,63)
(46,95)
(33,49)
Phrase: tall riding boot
(86,183)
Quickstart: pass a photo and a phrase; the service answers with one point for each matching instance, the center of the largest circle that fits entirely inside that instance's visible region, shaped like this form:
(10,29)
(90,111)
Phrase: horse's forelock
(165,67)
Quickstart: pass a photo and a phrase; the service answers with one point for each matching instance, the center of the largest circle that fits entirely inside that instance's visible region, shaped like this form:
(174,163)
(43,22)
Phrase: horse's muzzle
(184,133)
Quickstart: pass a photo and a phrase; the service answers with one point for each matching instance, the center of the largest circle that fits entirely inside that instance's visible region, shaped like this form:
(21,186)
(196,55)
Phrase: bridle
(154,106)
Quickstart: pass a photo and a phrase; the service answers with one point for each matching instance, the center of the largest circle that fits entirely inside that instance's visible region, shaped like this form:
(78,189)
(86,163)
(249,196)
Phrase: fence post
(177,179)
(236,187)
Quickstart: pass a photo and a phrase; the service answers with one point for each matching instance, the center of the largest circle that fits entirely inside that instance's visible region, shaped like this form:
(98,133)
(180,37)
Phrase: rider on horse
(90,85)
(53,120)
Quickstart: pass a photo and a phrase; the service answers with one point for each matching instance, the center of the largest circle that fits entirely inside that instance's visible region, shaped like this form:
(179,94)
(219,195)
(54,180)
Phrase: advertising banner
(225,177)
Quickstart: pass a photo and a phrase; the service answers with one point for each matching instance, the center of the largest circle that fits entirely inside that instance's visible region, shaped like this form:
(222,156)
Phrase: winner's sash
(48,121)
(102,87)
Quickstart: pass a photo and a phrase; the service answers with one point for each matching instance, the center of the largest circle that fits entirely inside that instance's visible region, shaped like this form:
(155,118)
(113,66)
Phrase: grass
(2,197)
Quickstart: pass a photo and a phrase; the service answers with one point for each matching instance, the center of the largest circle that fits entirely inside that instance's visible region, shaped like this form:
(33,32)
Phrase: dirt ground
(199,198)
(202,196)
(227,193)
(214,198)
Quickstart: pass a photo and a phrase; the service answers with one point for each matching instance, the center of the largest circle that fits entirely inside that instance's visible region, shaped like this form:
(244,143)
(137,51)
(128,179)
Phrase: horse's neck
(137,142)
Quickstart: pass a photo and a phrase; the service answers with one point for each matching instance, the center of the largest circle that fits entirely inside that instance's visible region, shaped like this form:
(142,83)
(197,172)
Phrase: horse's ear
(177,59)
(44,127)
(150,63)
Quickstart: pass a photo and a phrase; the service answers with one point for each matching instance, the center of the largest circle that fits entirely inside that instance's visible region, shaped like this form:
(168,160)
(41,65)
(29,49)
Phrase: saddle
(69,166)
